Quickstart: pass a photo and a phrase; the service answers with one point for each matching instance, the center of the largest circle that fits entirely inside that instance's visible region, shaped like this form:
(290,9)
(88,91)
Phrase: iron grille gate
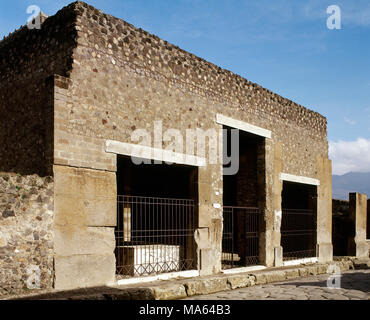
(298,234)
(240,241)
(154,235)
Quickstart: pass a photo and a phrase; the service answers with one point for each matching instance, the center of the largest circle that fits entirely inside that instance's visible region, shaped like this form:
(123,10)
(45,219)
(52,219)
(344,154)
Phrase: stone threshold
(182,288)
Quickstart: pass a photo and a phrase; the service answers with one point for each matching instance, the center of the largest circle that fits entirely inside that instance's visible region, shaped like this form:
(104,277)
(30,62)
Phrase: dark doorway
(156,218)
(298,225)
(242,195)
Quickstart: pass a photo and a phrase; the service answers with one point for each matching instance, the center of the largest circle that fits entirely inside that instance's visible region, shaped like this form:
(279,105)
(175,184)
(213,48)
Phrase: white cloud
(350,156)
(350,121)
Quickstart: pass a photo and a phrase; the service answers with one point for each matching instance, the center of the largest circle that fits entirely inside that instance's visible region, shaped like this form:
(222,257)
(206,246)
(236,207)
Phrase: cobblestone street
(355,285)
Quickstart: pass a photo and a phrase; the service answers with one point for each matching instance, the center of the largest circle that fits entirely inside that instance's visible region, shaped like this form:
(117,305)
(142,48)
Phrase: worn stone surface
(28,61)
(97,78)
(206,285)
(83,270)
(358,214)
(275,276)
(85,216)
(368,223)
(240,281)
(260,278)
(303,272)
(291,274)
(90,240)
(85,197)
(169,292)
(354,285)
(26,231)
(174,289)
(324,210)
(277,200)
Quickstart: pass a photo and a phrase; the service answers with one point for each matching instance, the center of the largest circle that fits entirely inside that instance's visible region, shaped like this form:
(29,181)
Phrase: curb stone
(182,288)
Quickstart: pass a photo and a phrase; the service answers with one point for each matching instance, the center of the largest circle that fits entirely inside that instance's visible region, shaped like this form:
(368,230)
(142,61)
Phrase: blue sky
(283,45)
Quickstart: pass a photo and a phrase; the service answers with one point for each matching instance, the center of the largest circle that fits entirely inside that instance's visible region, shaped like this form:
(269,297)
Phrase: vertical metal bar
(156,237)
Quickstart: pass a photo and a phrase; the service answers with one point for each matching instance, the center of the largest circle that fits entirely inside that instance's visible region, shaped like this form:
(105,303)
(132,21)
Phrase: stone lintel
(146,152)
(299,179)
(244,126)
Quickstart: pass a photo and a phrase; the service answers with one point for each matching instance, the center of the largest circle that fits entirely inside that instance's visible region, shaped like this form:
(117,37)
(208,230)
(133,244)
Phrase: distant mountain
(351,182)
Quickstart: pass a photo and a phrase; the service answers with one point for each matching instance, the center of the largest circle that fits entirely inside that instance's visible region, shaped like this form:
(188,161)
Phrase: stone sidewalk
(354,285)
(199,286)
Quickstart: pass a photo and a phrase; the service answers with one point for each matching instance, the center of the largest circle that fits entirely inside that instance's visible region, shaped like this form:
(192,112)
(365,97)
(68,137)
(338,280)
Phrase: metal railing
(154,235)
(240,237)
(298,233)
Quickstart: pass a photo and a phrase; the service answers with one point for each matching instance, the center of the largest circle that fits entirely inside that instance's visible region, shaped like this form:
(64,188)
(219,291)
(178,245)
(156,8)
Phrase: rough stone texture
(196,287)
(28,60)
(210,219)
(89,197)
(240,281)
(291,274)
(97,78)
(368,221)
(324,211)
(278,187)
(169,292)
(354,285)
(358,211)
(144,75)
(207,285)
(303,272)
(274,276)
(26,231)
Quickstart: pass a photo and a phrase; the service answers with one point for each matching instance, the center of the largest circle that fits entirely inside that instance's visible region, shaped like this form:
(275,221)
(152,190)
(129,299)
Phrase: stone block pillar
(368,221)
(208,236)
(324,211)
(357,245)
(266,202)
(85,216)
(278,188)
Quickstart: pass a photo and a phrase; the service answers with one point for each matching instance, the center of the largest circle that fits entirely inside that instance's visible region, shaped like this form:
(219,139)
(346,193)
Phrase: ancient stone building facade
(72,94)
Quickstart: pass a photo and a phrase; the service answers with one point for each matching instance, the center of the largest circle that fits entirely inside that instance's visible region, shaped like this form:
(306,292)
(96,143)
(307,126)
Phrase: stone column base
(208,263)
(278,253)
(324,252)
(362,250)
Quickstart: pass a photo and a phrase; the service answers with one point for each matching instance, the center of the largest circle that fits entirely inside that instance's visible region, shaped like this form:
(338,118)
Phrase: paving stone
(312,288)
